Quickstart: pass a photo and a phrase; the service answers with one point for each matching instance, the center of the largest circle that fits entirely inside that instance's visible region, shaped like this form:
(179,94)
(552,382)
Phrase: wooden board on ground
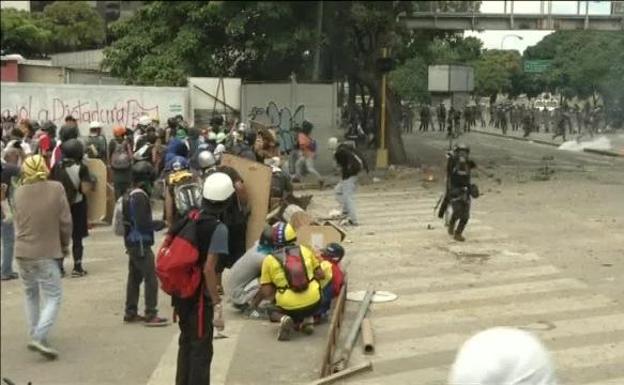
(317,237)
(257,179)
(96,198)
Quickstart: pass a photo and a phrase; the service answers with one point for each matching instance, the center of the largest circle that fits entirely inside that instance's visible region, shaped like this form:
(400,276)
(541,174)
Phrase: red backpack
(177,263)
(294,267)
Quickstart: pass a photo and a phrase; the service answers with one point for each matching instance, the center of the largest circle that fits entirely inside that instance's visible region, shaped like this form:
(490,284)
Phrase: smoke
(600,143)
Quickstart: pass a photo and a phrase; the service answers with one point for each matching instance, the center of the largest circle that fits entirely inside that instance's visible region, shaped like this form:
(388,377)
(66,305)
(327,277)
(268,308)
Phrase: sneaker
(77,273)
(458,237)
(133,318)
(155,321)
(43,348)
(285,328)
(307,327)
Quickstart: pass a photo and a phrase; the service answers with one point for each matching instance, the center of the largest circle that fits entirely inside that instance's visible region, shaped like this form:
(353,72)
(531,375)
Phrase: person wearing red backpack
(139,238)
(290,275)
(200,311)
(330,257)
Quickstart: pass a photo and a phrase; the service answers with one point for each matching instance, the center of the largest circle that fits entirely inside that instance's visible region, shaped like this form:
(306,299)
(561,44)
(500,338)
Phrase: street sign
(536,66)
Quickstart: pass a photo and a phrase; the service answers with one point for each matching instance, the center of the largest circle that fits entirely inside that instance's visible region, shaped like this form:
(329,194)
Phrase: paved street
(544,255)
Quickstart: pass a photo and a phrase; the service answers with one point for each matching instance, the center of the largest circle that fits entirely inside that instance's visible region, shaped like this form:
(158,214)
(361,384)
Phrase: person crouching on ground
(291,276)
(40,240)
(332,283)
(139,239)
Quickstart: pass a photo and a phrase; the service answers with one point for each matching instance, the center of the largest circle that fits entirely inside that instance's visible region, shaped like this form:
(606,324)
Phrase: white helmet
(95,124)
(221,137)
(217,187)
(333,143)
(218,152)
(242,127)
(212,136)
(145,120)
(205,159)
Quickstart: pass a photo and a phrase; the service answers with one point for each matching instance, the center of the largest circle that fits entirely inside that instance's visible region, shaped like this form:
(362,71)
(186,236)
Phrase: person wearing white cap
(96,142)
(503,355)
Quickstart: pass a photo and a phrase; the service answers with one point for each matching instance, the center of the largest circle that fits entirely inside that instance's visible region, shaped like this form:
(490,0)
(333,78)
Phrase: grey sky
(493,39)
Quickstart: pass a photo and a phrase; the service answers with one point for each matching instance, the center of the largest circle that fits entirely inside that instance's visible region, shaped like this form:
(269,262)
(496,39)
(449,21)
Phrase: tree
(23,33)
(75,25)
(494,72)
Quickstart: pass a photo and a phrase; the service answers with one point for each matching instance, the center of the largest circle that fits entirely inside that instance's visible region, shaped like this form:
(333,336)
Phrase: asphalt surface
(543,249)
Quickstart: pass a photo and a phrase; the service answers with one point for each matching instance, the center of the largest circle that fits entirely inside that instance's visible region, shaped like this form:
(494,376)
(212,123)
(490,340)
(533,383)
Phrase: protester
(351,163)
(502,355)
(46,142)
(290,275)
(331,284)
(243,281)
(10,173)
(39,241)
(66,133)
(73,174)
(120,160)
(96,142)
(139,239)
(307,153)
(196,332)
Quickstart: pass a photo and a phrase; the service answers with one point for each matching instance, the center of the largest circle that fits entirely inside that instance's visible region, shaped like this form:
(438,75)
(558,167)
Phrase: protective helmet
(266,238)
(177,163)
(212,136)
(242,127)
(144,121)
(462,147)
(332,143)
(218,187)
(68,132)
(283,234)
(95,124)
(119,131)
(72,149)
(143,172)
(205,159)
(333,252)
(172,122)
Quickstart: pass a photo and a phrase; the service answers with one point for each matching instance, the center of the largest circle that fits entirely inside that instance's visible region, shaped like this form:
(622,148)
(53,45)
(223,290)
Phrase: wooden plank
(257,178)
(96,198)
(333,334)
(343,374)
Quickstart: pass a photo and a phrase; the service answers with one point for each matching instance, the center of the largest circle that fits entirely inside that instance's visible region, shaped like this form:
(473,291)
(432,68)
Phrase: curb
(539,141)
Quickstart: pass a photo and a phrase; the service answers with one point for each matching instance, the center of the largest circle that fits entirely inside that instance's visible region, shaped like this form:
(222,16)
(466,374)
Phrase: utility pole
(382,153)
(317,51)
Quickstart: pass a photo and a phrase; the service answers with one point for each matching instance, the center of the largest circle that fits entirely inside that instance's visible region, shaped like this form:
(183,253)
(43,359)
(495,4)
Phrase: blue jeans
(345,190)
(306,165)
(41,276)
(8,241)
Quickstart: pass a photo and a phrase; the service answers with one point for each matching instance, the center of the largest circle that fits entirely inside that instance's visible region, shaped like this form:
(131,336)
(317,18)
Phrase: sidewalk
(585,143)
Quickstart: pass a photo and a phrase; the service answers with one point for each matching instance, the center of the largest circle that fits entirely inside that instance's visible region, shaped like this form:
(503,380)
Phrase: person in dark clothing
(74,176)
(441,117)
(120,159)
(351,163)
(200,313)
(459,191)
(139,239)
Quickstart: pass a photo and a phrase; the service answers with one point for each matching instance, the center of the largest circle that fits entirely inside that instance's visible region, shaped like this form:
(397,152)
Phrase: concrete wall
(88,60)
(203,92)
(76,76)
(319,99)
(9,72)
(41,74)
(108,104)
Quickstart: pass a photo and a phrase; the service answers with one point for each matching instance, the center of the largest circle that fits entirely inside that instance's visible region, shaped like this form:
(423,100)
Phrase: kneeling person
(291,275)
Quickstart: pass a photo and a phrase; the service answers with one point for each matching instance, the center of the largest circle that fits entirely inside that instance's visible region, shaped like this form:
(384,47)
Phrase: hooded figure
(502,355)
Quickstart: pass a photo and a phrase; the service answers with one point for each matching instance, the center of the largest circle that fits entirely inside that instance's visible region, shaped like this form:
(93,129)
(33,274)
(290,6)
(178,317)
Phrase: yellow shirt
(273,273)
(326,266)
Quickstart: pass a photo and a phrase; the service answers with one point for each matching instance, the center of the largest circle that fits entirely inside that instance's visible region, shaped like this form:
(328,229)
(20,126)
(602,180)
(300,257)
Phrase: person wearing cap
(295,307)
(120,147)
(195,348)
(307,153)
(40,240)
(96,142)
(331,284)
(502,355)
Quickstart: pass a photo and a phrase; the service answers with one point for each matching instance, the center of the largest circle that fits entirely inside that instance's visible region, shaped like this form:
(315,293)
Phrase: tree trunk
(394,140)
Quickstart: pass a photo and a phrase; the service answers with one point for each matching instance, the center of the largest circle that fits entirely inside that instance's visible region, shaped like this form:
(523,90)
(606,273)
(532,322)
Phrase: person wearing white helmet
(503,355)
(195,352)
(96,142)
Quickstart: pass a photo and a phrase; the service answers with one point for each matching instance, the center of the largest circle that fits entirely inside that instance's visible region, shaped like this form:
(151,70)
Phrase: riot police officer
(459,191)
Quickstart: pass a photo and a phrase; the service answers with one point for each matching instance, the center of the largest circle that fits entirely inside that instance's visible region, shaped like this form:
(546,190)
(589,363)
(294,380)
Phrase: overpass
(509,20)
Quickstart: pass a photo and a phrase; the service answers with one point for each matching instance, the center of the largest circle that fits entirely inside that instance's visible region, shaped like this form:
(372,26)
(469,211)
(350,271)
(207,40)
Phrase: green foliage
(494,71)
(410,80)
(63,26)
(165,42)
(75,25)
(23,33)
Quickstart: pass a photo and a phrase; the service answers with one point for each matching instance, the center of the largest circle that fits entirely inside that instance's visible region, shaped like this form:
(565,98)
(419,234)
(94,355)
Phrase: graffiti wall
(110,105)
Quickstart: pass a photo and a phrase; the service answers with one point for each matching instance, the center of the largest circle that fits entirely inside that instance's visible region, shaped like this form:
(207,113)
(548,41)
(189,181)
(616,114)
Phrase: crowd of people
(45,171)
(505,116)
